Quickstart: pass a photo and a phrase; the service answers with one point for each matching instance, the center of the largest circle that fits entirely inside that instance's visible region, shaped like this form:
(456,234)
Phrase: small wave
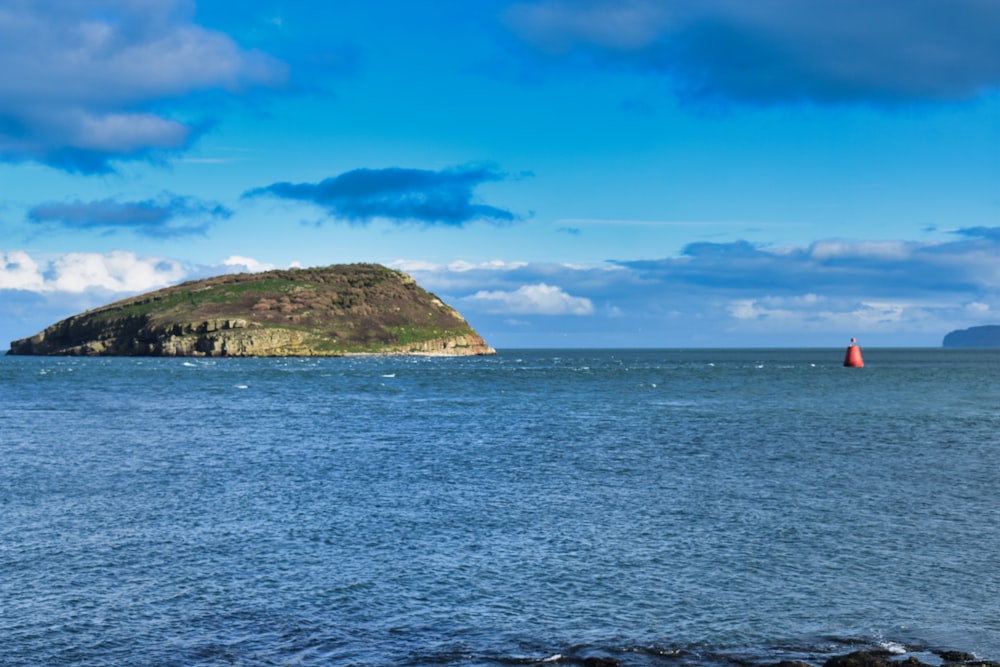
(893,647)
(388,375)
(241,386)
(199,363)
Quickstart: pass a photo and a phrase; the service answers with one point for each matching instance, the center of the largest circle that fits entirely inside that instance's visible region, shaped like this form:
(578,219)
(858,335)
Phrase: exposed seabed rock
(883,658)
(656,657)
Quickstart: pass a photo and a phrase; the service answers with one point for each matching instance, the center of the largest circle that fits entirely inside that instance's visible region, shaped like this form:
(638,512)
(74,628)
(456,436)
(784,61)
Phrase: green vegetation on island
(331,311)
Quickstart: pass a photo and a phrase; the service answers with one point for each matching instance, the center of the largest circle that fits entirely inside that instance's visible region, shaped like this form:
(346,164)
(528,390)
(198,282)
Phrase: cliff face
(333,311)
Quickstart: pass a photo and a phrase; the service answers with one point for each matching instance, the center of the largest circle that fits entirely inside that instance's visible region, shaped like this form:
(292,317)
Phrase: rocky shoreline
(886,658)
(583,656)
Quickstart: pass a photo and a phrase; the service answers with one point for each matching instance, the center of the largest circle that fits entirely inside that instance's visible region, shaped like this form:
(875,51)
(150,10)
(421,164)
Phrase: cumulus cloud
(540,299)
(117,272)
(160,218)
(246,264)
(773,52)
(77,272)
(84,84)
(19,271)
(401,195)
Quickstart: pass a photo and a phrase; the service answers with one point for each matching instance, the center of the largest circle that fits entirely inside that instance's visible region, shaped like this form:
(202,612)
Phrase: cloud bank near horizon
(84,85)
(888,53)
(711,294)
(721,293)
(400,195)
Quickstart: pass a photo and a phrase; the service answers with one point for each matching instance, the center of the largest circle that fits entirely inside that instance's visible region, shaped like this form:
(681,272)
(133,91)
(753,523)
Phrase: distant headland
(984,336)
(339,310)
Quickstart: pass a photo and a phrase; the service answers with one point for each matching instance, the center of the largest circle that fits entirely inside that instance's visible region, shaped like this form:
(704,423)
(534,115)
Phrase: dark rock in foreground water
(874,658)
(655,657)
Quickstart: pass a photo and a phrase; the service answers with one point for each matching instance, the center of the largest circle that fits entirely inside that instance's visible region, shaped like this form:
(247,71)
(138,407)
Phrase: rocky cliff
(332,311)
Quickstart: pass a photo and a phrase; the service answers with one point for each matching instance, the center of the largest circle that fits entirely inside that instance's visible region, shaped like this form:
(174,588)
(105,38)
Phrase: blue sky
(672,173)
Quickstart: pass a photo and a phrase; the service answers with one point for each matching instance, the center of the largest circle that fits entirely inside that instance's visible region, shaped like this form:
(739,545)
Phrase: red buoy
(853,357)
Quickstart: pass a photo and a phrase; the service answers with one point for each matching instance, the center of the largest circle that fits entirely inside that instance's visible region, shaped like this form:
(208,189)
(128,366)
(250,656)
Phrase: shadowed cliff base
(338,310)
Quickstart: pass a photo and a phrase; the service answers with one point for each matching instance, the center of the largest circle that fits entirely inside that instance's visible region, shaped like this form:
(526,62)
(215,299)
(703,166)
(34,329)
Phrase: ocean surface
(647,507)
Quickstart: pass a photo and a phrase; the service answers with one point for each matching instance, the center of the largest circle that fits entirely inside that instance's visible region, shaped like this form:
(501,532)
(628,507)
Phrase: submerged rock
(333,311)
(874,658)
(956,656)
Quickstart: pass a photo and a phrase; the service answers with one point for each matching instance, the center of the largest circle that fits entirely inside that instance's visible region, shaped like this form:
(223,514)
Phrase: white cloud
(116,271)
(122,133)
(492,265)
(19,271)
(414,265)
(458,266)
(464,277)
(875,313)
(83,83)
(248,264)
(746,309)
(773,307)
(540,299)
(810,314)
(891,250)
(78,272)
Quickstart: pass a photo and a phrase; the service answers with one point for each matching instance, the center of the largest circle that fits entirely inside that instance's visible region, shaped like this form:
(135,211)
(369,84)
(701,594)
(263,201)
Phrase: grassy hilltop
(330,311)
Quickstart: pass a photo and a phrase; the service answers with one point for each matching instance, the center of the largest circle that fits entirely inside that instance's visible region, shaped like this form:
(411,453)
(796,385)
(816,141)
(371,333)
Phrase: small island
(339,310)
(984,336)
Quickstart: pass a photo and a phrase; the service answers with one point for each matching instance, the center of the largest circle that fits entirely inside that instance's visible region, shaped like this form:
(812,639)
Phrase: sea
(726,507)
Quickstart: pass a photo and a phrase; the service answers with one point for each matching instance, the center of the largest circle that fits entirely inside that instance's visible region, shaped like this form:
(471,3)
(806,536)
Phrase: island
(984,336)
(339,310)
